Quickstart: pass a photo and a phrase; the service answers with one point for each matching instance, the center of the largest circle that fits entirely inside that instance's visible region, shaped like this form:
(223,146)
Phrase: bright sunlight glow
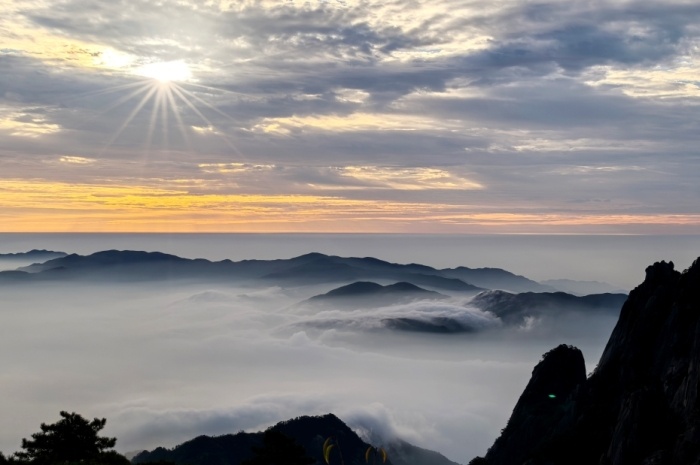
(166,71)
(113,59)
(166,98)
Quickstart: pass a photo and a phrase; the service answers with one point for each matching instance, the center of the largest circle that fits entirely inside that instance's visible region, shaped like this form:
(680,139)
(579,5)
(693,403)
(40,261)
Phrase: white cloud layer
(167,362)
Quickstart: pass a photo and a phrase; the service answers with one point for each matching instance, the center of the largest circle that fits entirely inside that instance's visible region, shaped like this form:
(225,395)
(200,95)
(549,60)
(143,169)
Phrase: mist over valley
(169,348)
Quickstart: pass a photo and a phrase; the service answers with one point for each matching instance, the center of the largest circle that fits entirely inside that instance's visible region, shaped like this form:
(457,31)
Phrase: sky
(439,116)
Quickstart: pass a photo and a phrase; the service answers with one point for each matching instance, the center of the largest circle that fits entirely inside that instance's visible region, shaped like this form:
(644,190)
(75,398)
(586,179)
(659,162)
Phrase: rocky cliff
(640,405)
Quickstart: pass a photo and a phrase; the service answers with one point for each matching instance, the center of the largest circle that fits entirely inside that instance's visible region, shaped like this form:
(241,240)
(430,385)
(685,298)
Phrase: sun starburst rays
(183,94)
(149,92)
(160,100)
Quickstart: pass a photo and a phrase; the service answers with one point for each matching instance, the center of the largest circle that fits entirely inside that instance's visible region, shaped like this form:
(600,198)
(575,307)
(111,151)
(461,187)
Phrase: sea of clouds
(165,362)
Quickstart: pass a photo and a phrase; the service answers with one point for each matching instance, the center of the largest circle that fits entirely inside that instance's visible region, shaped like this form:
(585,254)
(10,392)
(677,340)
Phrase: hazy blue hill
(129,265)
(404,287)
(263,268)
(440,282)
(367,288)
(400,306)
(32,255)
(14,276)
(435,325)
(105,259)
(314,268)
(371,263)
(311,267)
(356,288)
(571,286)
(338,269)
(366,294)
(309,432)
(496,278)
(513,308)
(320,270)
(307,269)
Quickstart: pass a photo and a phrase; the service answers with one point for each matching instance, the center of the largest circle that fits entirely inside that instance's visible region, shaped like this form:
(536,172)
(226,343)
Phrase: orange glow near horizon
(42,206)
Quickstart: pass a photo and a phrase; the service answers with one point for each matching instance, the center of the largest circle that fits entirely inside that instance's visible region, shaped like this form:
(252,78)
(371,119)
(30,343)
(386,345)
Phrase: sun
(160,88)
(166,72)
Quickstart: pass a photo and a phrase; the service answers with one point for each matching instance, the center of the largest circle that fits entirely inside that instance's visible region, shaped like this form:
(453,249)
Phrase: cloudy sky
(456,116)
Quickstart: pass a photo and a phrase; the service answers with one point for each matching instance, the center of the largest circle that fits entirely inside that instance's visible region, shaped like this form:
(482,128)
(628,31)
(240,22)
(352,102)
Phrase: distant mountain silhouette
(14,276)
(496,278)
(574,287)
(435,324)
(115,262)
(370,288)
(324,268)
(34,255)
(641,405)
(363,294)
(400,306)
(314,268)
(514,308)
(309,432)
(308,269)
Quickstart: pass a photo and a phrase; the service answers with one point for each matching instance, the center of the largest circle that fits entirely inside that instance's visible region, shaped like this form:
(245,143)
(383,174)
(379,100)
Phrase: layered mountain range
(312,268)
(441,296)
(33,255)
(515,308)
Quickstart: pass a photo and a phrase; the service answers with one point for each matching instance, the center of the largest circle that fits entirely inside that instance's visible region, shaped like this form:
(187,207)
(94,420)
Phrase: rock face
(640,406)
(539,413)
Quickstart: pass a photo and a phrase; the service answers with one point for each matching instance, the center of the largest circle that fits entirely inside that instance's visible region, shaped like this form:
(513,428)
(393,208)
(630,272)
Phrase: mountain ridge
(313,267)
(497,278)
(513,308)
(34,254)
(308,268)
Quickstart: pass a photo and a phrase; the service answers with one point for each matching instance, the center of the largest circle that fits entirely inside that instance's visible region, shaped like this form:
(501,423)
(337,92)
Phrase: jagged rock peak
(642,403)
(541,409)
(660,271)
(558,373)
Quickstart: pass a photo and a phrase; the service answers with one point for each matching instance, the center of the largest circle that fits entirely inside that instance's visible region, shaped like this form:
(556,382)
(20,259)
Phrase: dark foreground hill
(309,432)
(642,403)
